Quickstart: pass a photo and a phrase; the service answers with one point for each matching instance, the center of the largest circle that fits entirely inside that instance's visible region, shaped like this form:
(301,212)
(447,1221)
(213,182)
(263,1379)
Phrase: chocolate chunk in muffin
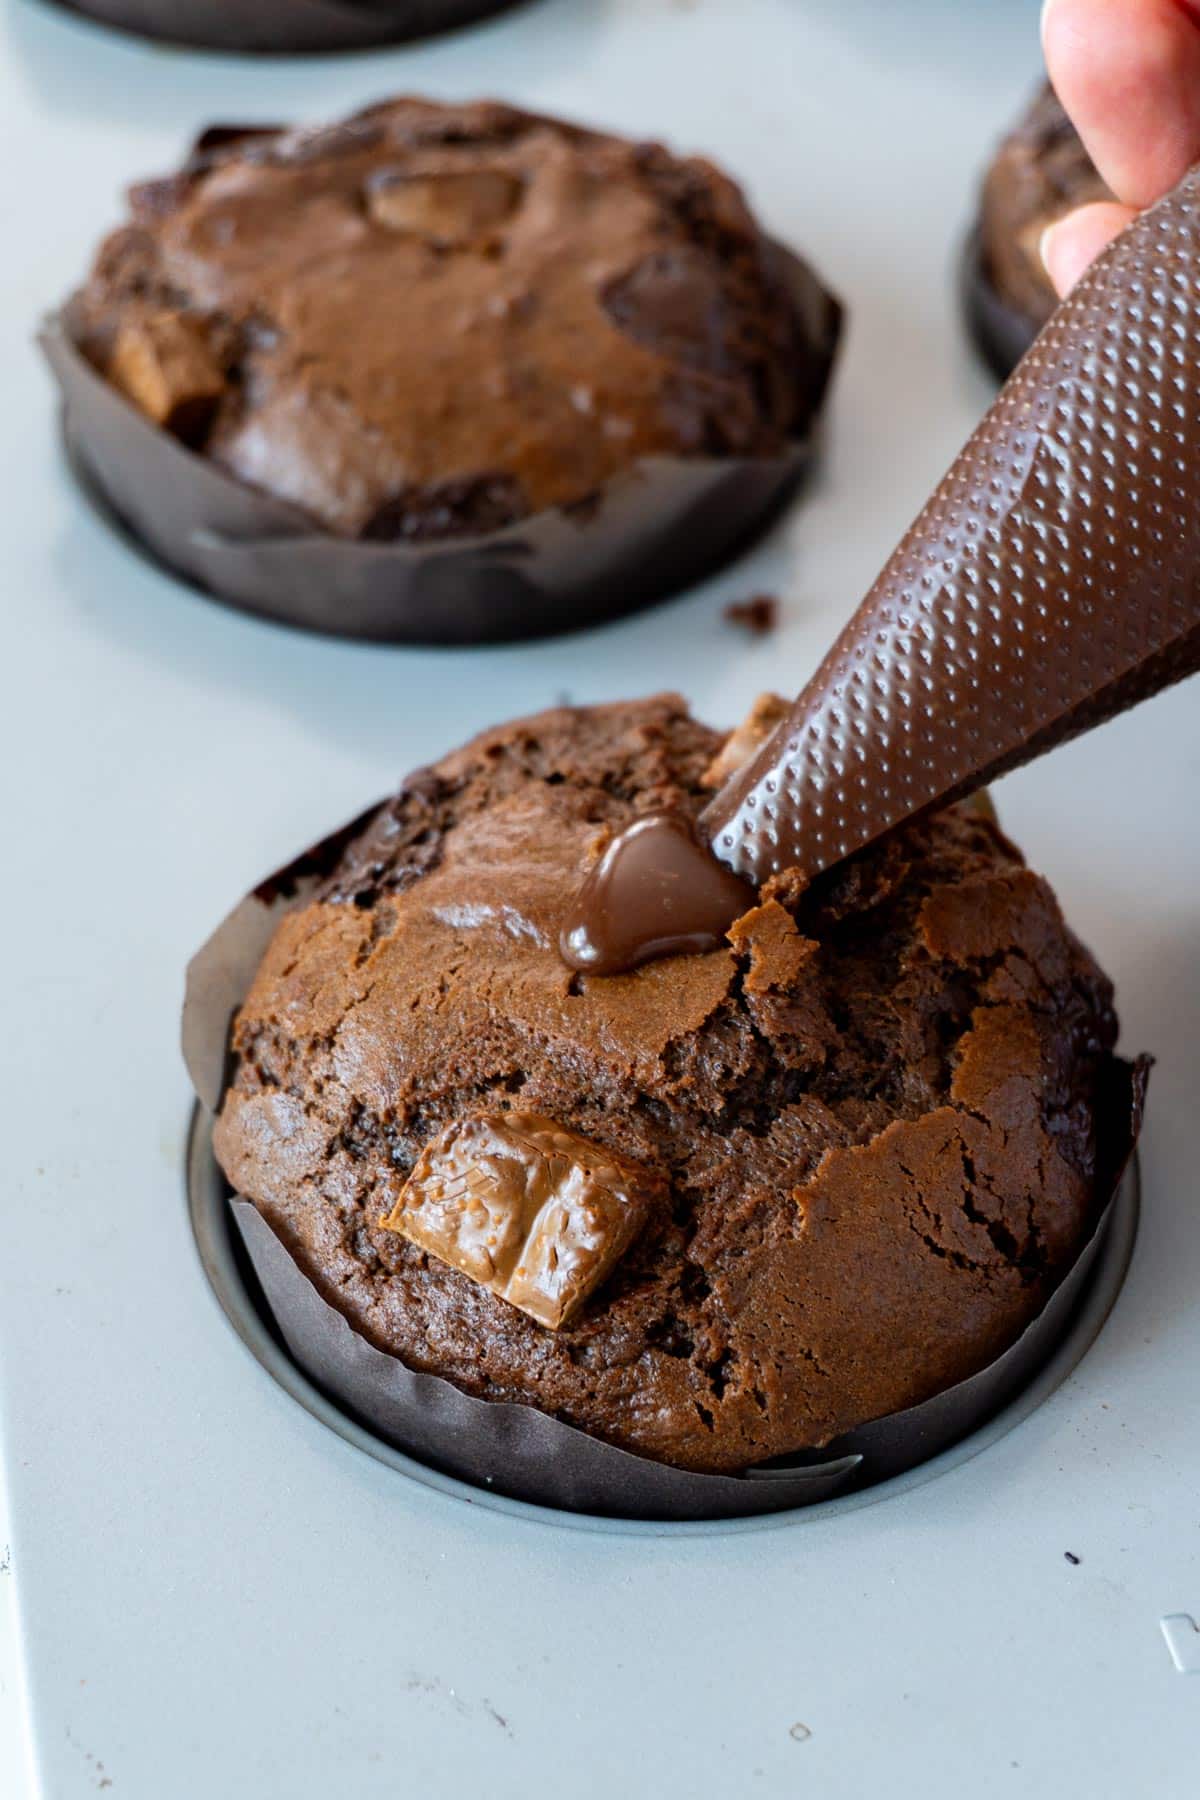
(1040,172)
(537,1214)
(431,321)
(862,1132)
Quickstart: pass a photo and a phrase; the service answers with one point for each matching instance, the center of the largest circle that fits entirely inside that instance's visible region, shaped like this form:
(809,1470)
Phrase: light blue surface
(217,1596)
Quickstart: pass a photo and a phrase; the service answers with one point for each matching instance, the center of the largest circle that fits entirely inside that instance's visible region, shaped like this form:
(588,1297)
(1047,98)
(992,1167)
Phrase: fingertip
(1070,245)
(1046,248)
(1128,73)
(1059,263)
(1064,26)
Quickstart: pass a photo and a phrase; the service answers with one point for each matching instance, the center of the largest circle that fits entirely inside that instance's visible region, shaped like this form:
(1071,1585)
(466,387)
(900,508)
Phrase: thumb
(1070,245)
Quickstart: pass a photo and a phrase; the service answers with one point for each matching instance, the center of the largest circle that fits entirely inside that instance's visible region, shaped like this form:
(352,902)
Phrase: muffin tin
(218,1592)
(518,1450)
(924,1443)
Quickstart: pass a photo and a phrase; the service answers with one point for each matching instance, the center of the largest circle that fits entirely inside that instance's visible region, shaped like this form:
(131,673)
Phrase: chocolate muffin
(727,1206)
(1040,172)
(432,321)
(284,25)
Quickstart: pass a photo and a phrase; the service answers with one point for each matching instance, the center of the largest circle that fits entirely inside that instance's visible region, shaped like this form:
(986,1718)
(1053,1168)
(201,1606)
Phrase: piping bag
(1052,581)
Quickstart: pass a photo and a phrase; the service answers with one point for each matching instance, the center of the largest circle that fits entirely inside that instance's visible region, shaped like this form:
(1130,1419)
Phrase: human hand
(1128,73)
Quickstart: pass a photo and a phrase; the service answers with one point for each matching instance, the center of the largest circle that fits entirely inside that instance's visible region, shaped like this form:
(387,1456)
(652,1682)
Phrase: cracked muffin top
(435,320)
(831,1167)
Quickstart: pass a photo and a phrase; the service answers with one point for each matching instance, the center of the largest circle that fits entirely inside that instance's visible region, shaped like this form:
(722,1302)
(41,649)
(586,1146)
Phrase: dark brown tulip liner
(650,532)
(284,25)
(516,1450)
(1000,332)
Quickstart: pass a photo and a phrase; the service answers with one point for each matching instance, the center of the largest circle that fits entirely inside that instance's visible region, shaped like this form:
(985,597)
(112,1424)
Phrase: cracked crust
(432,320)
(875,1108)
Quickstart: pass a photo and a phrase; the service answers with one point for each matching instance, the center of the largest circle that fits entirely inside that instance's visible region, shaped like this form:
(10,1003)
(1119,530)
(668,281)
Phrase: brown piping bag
(1052,581)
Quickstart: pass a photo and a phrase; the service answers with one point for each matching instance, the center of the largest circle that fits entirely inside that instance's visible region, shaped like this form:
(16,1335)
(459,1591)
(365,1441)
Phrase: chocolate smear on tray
(655,891)
(1052,581)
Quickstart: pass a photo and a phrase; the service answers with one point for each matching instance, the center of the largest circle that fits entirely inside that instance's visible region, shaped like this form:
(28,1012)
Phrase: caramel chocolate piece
(162,363)
(766,713)
(534,1212)
(449,207)
(1048,584)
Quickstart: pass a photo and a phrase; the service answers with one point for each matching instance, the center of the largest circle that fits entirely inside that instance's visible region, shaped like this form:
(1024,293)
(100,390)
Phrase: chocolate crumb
(759,615)
(1071,1556)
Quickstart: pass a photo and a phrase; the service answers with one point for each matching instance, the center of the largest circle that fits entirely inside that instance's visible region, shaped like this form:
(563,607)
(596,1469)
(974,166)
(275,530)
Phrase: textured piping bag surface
(1052,580)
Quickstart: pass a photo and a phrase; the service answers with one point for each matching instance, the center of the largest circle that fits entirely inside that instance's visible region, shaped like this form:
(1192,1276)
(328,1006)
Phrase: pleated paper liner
(516,1450)
(1001,333)
(653,530)
(284,25)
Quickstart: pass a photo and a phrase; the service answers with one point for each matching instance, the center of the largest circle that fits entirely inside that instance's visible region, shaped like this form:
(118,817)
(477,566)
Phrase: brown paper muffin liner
(283,25)
(1001,333)
(514,1449)
(651,531)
